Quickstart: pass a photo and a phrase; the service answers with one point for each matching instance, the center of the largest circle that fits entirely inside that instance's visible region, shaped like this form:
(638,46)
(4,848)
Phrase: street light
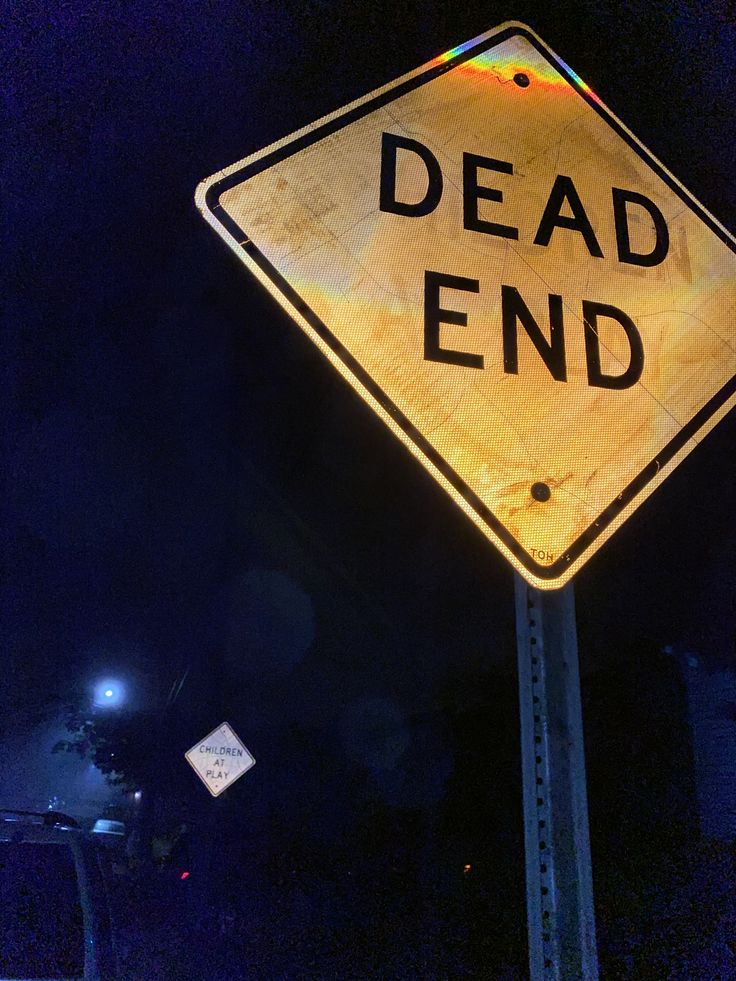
(108,693)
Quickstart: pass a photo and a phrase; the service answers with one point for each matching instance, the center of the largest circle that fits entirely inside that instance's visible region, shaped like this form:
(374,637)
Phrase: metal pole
(559,880)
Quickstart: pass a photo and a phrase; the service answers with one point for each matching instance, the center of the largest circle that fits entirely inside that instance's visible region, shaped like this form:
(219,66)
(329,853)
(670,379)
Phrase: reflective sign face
(219,759)
(531,302)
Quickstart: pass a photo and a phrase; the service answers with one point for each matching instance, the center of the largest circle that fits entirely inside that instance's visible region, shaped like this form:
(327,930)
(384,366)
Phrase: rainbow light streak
(506,65)
(583,85)
(454,52)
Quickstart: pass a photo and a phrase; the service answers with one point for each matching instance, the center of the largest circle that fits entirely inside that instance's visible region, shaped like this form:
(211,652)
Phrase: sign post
(559,881)
(541,313)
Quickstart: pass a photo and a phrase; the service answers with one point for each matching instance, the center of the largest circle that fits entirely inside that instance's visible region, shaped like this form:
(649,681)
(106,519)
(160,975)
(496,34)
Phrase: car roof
(38,826)
(54,828)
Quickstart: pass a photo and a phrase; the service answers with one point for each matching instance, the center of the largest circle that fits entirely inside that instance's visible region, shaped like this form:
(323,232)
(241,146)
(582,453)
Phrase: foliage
(120,743)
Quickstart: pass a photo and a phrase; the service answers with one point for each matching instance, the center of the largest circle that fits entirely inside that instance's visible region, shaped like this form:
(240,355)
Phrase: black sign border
(212,199)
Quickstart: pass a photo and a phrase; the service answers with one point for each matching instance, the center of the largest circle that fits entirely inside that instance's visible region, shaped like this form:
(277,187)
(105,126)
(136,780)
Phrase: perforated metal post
(559,881)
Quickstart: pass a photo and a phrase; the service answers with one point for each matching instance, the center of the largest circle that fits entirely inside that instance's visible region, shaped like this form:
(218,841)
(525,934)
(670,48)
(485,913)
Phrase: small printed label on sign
(542,555)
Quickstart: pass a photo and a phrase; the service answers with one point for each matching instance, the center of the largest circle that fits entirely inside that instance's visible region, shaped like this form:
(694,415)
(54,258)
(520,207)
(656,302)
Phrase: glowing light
(108,693)
(467,868)
(184,875)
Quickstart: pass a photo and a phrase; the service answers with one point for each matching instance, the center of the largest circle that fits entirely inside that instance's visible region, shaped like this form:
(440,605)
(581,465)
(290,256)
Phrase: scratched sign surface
(532,303)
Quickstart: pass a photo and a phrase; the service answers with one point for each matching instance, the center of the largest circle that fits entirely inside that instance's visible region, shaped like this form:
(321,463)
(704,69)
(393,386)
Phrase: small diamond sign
(219,759)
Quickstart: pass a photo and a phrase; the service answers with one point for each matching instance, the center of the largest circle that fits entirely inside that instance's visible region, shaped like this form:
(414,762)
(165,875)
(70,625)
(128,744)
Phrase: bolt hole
(521,80)
(541,491)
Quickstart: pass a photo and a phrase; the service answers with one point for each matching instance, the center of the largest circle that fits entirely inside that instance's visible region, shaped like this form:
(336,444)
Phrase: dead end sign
(531,302)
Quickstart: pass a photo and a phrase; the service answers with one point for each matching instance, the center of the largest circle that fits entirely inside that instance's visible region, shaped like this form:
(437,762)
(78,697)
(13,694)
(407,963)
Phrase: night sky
(189,484)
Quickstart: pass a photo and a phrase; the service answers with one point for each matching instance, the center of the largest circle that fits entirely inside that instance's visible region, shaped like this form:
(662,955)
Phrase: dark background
(193,493)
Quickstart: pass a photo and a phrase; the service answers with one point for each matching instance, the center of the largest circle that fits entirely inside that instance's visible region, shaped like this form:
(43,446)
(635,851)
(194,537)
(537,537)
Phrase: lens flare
(505,65)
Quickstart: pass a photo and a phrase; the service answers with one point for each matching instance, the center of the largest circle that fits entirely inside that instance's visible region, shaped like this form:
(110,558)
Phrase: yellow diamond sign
(532,303)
